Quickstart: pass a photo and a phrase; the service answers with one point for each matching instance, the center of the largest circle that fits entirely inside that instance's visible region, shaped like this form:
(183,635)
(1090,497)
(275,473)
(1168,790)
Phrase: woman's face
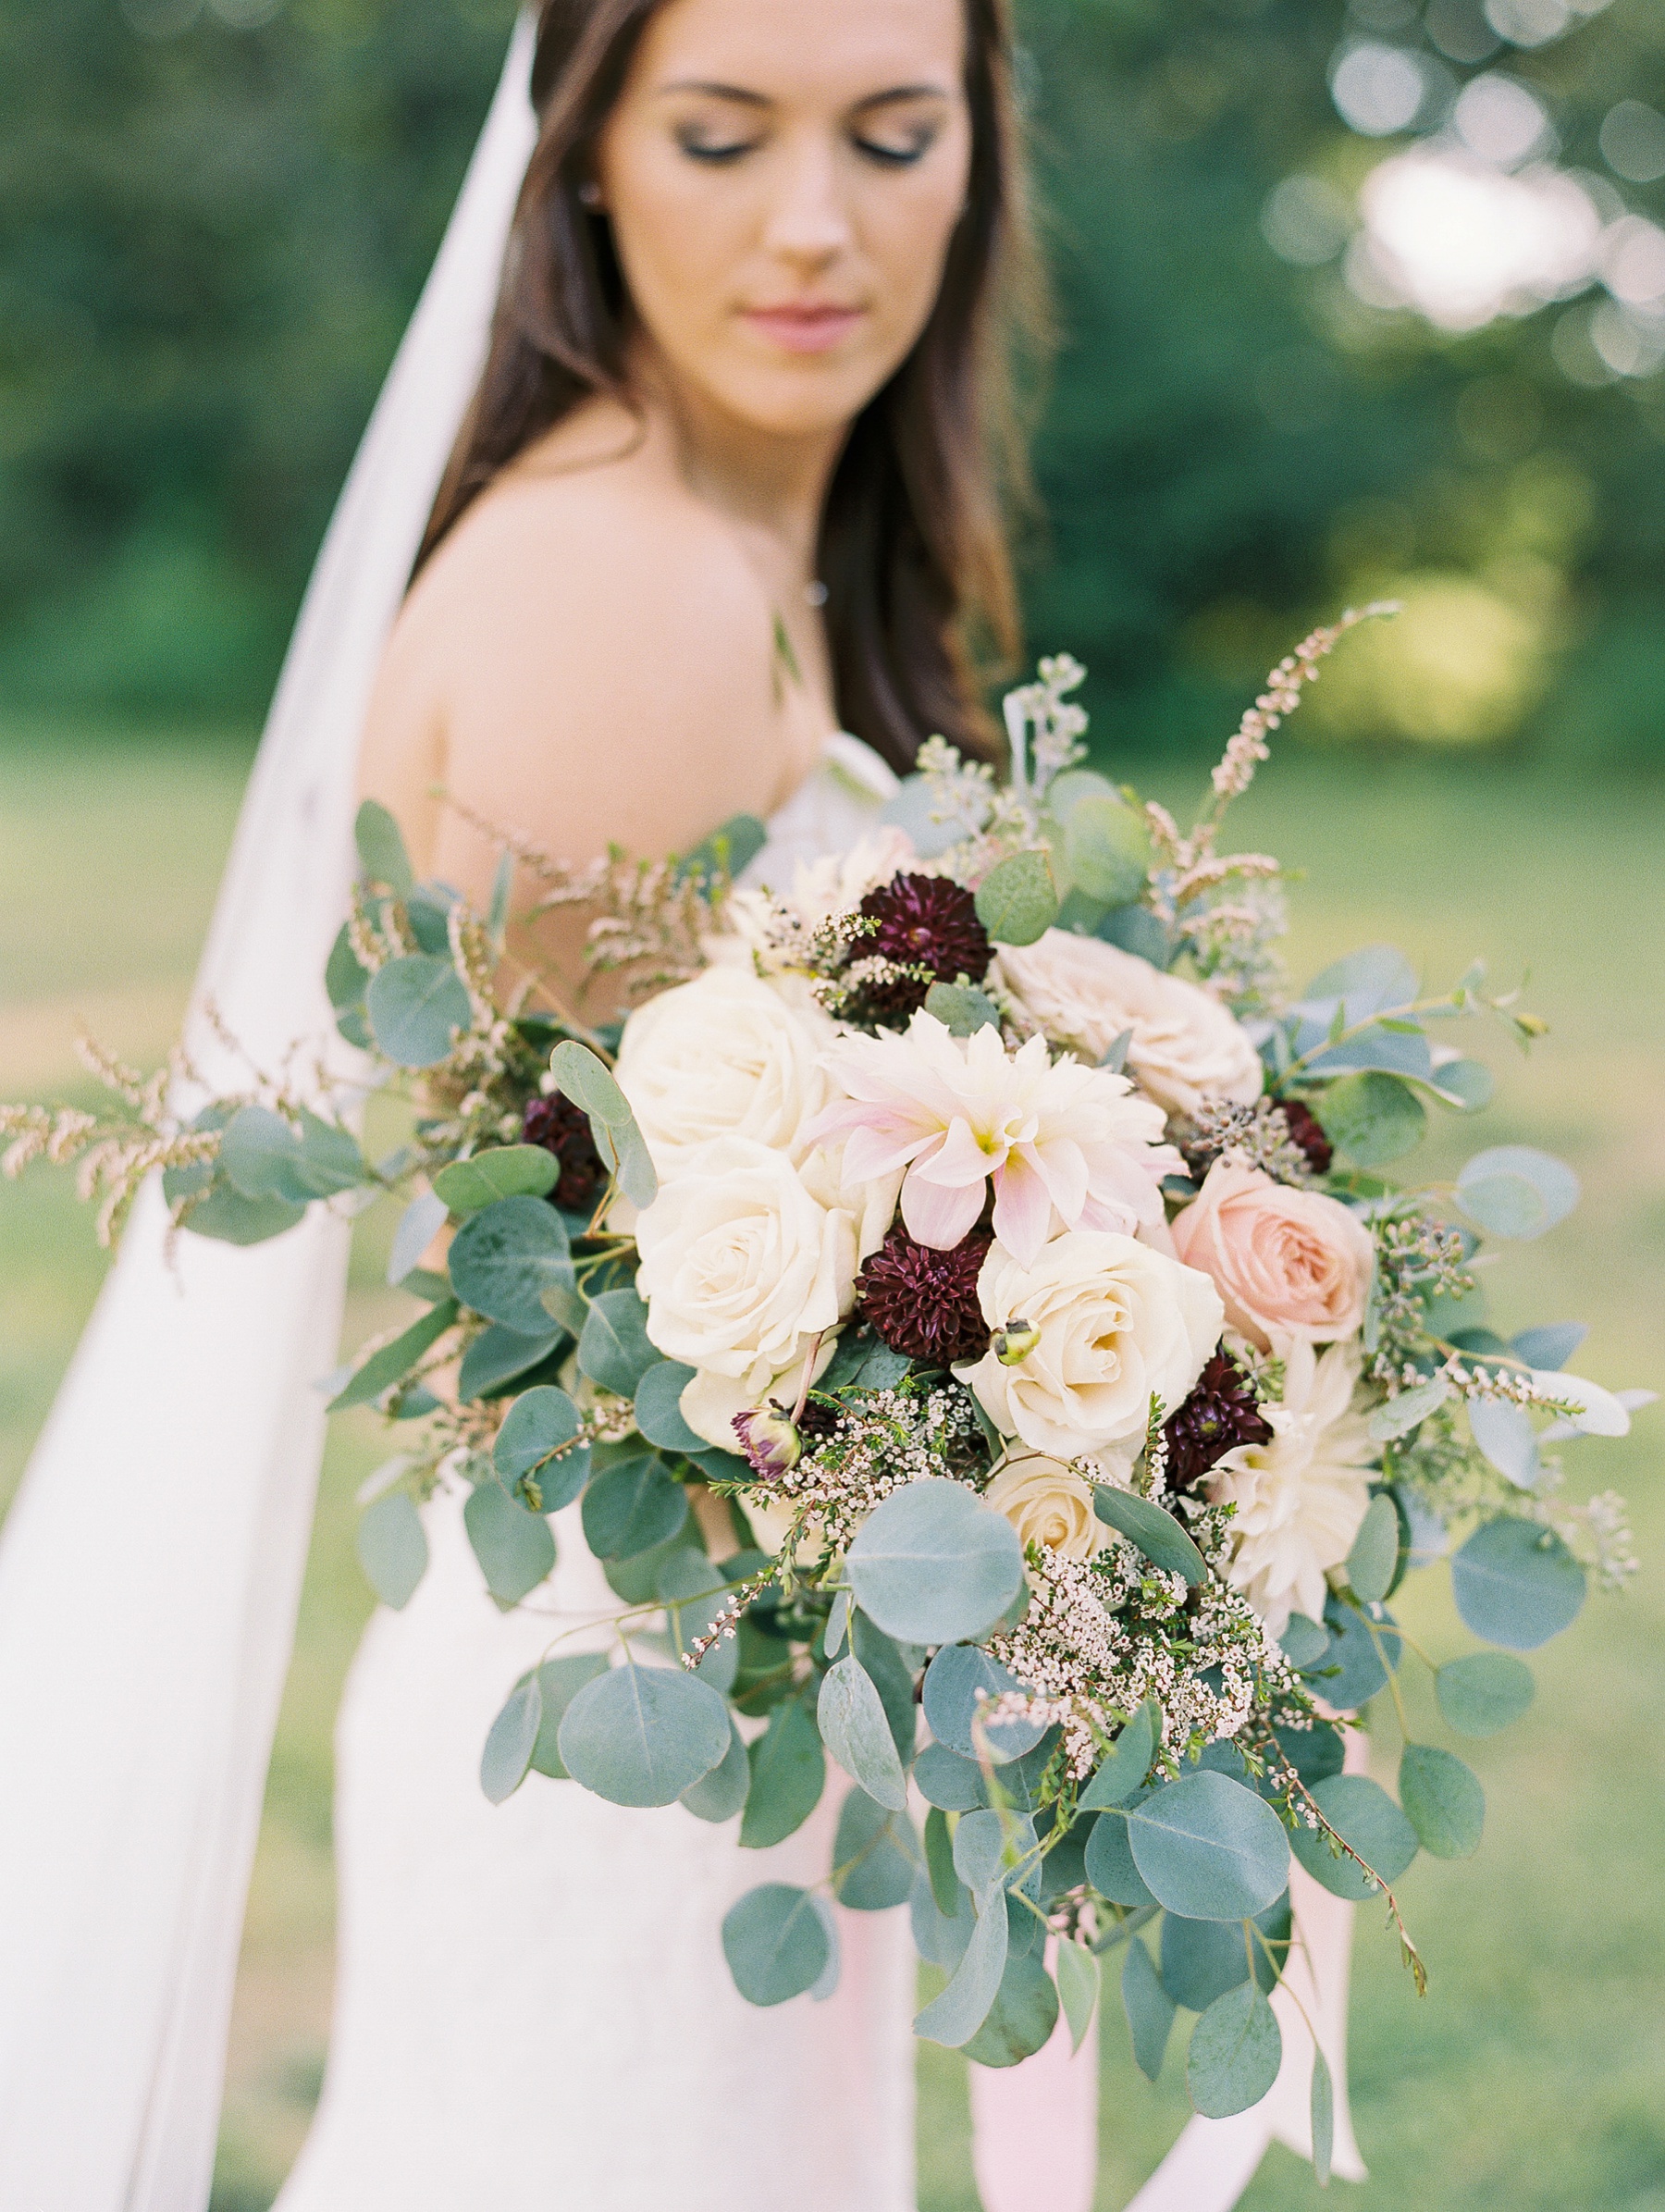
(783,178)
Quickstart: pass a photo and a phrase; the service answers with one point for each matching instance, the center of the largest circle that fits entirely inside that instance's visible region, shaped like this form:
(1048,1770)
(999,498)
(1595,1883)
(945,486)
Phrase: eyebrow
(741,96)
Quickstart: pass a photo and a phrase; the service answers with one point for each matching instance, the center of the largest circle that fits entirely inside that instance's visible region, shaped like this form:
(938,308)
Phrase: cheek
(906,234)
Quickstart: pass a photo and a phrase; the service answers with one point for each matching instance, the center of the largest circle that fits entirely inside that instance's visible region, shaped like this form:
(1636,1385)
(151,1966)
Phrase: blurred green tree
(215,216)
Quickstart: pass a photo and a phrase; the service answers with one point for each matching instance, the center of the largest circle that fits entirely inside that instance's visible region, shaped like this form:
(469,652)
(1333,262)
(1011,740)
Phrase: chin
(809,399)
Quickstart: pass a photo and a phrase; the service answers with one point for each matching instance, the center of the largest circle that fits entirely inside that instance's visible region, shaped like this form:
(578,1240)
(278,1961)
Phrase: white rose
(742,1267)
(1085,994)
(1300,1498)
(726,1055)
(1047,1503)
(1118,1325)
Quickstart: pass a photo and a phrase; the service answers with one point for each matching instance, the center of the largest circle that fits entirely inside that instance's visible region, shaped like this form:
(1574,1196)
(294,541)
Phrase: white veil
(150,1567)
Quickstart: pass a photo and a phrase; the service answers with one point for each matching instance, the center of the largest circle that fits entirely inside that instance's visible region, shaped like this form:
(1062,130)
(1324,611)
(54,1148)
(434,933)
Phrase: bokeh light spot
(1632,141)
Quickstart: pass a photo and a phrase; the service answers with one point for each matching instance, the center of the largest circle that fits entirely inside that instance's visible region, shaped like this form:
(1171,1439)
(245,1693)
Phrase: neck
(772,485)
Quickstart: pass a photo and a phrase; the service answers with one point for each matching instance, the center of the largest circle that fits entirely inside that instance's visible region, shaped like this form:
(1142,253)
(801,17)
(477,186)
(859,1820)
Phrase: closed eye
(893,153)
(715,151)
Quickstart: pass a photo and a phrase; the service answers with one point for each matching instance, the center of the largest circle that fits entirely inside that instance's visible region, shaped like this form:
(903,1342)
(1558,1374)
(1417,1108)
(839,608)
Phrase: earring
(589,193)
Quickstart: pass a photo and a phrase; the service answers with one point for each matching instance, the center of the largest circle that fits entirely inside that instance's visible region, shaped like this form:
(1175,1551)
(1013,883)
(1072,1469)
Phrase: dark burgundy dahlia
(564,1129)
(1220,1412)
(927,926)
(923,1302)
(1307,1131)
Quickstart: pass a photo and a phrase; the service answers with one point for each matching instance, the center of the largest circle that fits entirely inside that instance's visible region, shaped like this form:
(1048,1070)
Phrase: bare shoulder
(589,657)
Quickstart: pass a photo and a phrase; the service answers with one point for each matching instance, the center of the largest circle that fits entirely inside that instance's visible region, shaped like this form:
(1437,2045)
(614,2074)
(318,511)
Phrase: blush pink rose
(1290,1263)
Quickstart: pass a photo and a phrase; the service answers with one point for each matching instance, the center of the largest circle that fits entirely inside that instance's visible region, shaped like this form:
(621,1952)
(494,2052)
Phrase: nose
(808,224)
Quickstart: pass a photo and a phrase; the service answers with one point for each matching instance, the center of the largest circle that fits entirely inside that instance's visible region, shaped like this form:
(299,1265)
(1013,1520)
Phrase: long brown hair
(913,548)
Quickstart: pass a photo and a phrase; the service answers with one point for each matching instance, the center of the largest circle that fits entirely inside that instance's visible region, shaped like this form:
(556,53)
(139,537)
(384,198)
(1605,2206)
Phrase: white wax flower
(1300,1498)
(1084,994)
(1117,1324)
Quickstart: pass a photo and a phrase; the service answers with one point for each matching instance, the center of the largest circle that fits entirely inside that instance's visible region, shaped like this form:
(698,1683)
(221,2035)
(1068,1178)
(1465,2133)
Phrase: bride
(724,493)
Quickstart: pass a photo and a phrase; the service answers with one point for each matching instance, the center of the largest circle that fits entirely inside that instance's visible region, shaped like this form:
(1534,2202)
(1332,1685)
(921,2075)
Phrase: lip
(805,327)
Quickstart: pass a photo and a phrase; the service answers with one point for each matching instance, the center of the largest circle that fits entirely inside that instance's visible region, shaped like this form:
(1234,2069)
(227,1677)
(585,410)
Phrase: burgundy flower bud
(560,1127)
(1307,1131)
(770,1440)
(923,1302)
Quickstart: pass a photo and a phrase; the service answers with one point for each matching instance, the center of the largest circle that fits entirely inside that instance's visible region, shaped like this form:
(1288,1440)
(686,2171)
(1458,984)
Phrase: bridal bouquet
(968,1279)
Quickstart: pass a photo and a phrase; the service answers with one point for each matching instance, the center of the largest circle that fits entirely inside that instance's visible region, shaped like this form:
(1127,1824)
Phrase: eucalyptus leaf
(641,1735)
(585,1079)
(497,1356)
(659,1407)
(510,1171)
(961,1008)
(381,849)
(632,1505)
(697,1590)
(876,1855)
(225,1216)
(1483,1692)
(947,1889)
(417,1004)
(946,1779)
(933,1564)
(344,980)
(1110,1866)
(418,1226)
(1516,1584)
(392,1548)
(1365,1817)
(614,1350)
(941,1937)
(1443,1801)
(1017,901)
(503,1258)
(1374,1558)
(1209,1848)
(1304,1642)
(260,1156)
(1203,1960)
(394,1361)
(1078,1979)
(1514,1191)
(1023,2015)
(1106,848)
(721,1793)
(1149,2007)
(1362,1649)
(958,1682)
(1156,1533)
(855,1729)
(1324,2118)
(775,1943)
(1136,930)
(513,1545)
(1466,1084)
(727,851)
(788,1774)
(953,2017)
(1373,1118)
(1125,1768)
(1236,2049)
(1550,1347)
(540,1423)
(1400,1415)
(558,1681)
(507,1758)
(1505,1434)
(990,1847)
(1364,983)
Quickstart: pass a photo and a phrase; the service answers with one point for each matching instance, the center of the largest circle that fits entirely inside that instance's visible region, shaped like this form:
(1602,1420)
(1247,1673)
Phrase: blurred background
(1356,302)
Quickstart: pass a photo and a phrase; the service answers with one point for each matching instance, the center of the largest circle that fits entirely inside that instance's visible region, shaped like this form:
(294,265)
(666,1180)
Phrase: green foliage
(558,1681)
(1209,1848)
(1443,1801)
(1022,2017)
(962,1009)
(1149,2007)
(1372,1117)
(1373,1559)
(641,1735)
(658,1404)
(613,1350)
(514,1546)
(381,849)
(504,1258)
(876,1855)
(933,1564)
(1110,1865)
(394,1361)
(511,1171)
(1516,1584)
(538,1425)
(855,1729)
(954,2016)
(1483,1692)
(507,1758)
(392,1548)
(417,1004)
(775,1944)
(788,1774)
(721,1793)
(1156,1533)
(1018,900)
(1514,1191)
(956,1683)
(1366,1817)
(1235,2052)
(1078,1979)
(1128,1763)
(632,1505)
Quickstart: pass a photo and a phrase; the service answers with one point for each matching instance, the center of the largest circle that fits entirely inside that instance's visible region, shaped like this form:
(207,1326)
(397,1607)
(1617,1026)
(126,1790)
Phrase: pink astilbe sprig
(1060,1143)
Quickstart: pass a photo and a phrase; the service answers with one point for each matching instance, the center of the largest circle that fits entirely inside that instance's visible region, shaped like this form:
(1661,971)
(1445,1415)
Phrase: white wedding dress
(533,2012)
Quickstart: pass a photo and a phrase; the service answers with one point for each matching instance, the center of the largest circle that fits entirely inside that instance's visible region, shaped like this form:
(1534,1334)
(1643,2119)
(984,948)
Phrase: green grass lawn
(1534,2074)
